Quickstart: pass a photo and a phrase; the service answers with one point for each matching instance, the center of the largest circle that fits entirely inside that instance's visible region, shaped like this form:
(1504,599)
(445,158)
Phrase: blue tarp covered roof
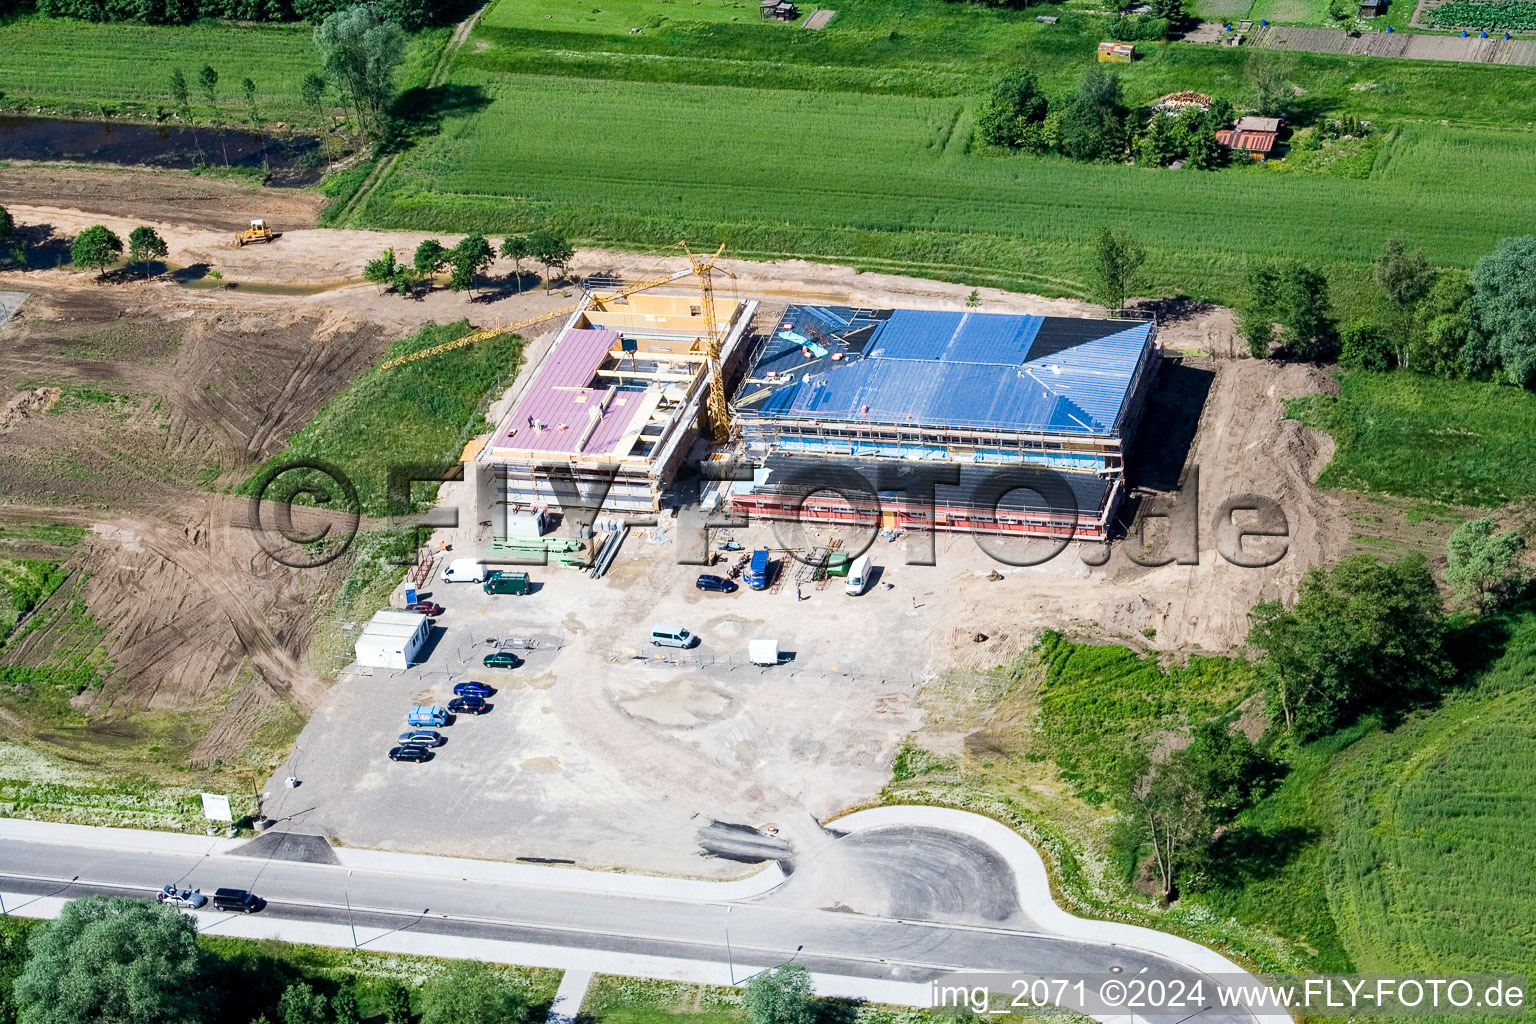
(937,369)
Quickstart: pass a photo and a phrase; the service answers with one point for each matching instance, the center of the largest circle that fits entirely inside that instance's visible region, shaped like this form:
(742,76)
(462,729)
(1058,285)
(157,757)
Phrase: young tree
(395,1001)
(301,1004)
(781,996)
(468,260)
(11,243)
(360,52)
(1161,142)
(553,251)
(114,960)
(1117,259)
(1179,804)
(430,258)
(179,94)
(1267,76)
(145,244)
(382,271)
(96,248)
(1093,126)
(1503,308)
(517,248)
(1171,813)
(1360,635)
(249,87)
(1256,316)
(468,992)
(313,92)
(1301,307)
(1015,113)
(1442,328)
(208,80)
(1405,279)
(1483,566)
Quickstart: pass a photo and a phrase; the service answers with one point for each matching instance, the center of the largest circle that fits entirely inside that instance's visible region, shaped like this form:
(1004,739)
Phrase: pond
(291,160)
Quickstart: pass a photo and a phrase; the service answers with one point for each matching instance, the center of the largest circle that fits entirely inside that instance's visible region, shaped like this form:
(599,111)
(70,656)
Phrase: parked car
(410,752)
(672,636)
(188,899)
(473,689)
(468,706)
(430,716)
(502,659)
(423,738)
(465,570)
(506,583)
(428,608)
(719,584)
(237,899)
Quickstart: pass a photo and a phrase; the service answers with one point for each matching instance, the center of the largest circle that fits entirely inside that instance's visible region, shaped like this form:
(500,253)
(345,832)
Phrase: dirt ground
(165,392)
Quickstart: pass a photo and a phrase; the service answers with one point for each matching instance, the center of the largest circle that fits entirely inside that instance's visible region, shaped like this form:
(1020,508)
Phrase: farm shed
(392,639)
(1255,145)
(872,391)
(782,10)
(1117,53)
(1371,8)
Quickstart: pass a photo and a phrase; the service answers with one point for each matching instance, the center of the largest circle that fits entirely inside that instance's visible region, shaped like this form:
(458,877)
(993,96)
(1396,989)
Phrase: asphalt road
(766,930)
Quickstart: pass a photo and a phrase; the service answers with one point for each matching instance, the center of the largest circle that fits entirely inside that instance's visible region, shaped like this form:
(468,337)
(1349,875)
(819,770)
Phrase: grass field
(419,413)
(124,70)
(854,144)
(1459,442)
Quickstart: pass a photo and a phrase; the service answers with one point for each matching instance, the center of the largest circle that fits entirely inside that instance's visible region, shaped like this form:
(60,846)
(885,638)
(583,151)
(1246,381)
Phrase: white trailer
(392,639)
(763,652)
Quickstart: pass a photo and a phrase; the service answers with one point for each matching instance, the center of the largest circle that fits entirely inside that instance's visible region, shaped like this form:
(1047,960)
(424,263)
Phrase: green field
(124,70)
(420,413)
(1460,442)
(854,144)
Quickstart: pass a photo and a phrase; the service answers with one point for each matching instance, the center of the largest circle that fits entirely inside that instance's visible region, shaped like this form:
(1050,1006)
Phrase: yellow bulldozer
(257,232)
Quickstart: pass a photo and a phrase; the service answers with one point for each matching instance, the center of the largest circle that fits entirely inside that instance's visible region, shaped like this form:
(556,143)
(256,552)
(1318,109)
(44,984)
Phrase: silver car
(187,899)
(422,738)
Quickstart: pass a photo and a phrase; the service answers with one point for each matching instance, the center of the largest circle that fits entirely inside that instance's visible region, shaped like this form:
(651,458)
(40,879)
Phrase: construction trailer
(612,409)
(842,408)
(392,639)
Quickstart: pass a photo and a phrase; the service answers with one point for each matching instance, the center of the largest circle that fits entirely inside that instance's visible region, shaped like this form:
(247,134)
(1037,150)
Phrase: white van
(465,570)
(672,636)
(858,576)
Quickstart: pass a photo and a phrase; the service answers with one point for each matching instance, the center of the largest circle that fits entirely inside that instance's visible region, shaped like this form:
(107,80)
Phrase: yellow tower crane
(700,266)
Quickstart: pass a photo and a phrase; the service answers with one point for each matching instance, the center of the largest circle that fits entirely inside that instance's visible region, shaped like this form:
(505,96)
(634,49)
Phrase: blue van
(760,571)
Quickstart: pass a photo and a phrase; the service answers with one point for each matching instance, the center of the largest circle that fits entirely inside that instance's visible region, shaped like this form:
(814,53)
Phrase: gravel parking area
(604,750)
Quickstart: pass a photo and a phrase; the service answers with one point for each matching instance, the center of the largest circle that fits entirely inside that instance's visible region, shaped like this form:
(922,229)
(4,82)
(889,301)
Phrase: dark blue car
(472,689)
(468,706)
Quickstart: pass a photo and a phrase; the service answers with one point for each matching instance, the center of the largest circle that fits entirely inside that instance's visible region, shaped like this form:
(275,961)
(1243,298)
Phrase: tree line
(1436,321)
(126,961)
(410,15)
(468,261)
(360,50)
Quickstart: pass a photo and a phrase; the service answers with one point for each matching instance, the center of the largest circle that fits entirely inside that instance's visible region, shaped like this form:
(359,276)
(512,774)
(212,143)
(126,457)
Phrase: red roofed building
(1257,145)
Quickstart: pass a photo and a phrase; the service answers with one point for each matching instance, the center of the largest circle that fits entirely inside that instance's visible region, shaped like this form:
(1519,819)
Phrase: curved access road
(902,897)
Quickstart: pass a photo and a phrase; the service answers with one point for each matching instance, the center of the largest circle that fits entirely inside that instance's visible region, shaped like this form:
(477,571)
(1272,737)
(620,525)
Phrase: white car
(188,899)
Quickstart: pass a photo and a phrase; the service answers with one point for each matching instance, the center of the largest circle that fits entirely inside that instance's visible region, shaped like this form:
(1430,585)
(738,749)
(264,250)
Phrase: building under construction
(836,395)
(612,409)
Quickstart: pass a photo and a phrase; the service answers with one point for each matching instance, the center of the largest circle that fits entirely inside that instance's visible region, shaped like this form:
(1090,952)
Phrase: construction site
(818,369)
(837,395)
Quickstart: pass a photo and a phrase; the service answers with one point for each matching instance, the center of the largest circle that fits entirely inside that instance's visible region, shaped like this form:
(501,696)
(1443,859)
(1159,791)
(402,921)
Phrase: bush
(1364,345)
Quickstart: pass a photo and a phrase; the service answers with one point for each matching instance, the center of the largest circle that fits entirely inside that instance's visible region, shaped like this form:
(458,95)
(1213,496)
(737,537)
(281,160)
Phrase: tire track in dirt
(279,668)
